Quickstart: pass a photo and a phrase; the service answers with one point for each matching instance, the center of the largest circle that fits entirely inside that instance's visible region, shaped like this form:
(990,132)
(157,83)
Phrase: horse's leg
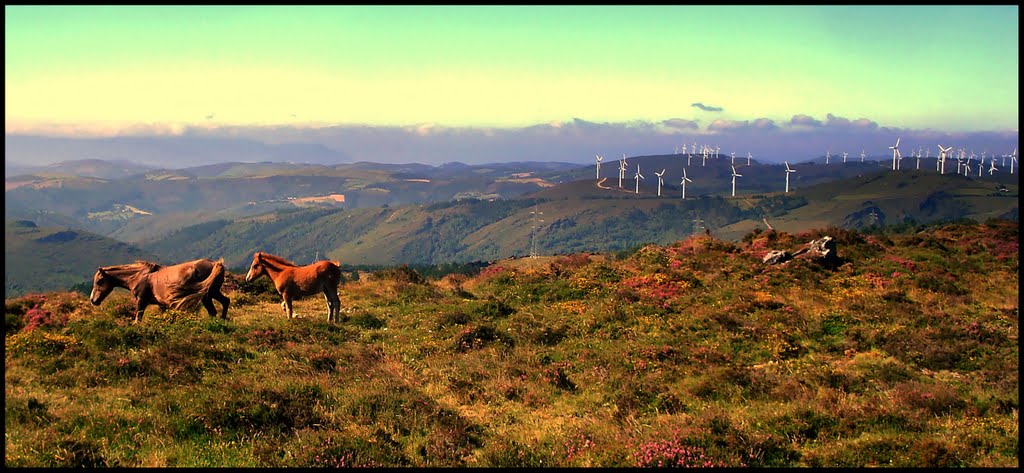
(337,304)
(140,308)
(288,307)
(224,302)
(208,303)
(330,305)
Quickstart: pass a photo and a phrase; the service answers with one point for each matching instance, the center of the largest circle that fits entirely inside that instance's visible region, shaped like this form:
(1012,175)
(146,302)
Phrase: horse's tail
(197,292)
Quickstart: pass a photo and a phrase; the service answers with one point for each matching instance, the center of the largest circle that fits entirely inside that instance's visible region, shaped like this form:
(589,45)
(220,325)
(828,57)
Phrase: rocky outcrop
(821,251)
(776,257)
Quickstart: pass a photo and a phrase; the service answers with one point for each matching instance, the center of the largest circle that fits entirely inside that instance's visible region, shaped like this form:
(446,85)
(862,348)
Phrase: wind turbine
(534,215)
(828,155)
(1013,159)
(716,151)
(599,158)
(733,161)
(704,156)
(660,181)
(688,157)
(862,155)
(788,170)
(734,176)
(992,167)
(622,170)
(748,158)
(895,152)
(959,164)
(638,177)
(982,163)
(684,181)
(844,157)
(967,166)
(919,159)
(943,154)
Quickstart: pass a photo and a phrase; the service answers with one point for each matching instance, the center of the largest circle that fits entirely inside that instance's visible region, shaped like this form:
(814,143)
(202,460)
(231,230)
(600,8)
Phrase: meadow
(692,354)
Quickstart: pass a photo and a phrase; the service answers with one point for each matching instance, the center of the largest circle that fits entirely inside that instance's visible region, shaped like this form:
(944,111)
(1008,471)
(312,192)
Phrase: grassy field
(689,354)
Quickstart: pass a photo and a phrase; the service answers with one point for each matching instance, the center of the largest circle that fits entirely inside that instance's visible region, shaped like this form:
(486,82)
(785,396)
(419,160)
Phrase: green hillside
(157,199)
(580,216)
(40,259)
(902,353)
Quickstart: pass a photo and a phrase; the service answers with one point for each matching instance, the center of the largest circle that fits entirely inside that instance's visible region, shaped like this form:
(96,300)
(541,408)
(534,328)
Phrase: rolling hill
(580,216)
(232,190)
(905,353)
(38,259)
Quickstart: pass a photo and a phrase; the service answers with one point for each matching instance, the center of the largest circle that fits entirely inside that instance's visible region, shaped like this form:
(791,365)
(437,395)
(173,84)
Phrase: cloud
(736,126)
(706,108)
(764,124)
(680,124)
(834,121)
(804,120)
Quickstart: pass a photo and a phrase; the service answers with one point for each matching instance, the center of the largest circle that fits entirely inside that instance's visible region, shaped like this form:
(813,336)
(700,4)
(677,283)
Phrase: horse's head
(255,269)
(102,284)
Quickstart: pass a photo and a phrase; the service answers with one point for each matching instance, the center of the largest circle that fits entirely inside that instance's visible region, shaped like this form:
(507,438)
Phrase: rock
(823,251)
(776,257)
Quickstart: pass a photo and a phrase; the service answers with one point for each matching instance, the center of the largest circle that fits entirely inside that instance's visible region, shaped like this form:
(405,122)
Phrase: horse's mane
(137,266)
(274,259)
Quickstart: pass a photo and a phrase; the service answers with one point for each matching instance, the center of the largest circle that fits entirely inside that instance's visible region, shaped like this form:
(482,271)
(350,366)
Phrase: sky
(567,79)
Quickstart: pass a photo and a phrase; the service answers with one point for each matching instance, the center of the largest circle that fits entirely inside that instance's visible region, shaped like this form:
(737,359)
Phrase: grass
(690,354)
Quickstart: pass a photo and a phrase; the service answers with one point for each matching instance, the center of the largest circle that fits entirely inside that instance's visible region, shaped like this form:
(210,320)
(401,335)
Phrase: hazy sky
(696,69)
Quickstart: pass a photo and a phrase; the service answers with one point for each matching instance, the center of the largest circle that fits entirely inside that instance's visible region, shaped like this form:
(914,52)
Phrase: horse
(293,281)
(180,286)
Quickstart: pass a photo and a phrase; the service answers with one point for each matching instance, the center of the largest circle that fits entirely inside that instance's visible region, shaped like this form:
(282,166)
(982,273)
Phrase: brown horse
(180,286)
(293,281)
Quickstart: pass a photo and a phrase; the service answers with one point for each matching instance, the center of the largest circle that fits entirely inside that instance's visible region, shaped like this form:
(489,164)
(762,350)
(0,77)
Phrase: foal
(293,281)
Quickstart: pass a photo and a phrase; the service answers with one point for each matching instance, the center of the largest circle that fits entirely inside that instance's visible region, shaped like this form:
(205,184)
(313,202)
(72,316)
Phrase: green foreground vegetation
(689,354)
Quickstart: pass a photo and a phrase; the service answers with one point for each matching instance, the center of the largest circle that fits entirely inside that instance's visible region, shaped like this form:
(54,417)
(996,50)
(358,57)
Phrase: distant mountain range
(386,214)
(160,151)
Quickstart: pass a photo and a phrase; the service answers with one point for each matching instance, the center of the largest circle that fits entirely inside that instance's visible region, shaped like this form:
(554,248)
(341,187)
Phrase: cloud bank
(573,140)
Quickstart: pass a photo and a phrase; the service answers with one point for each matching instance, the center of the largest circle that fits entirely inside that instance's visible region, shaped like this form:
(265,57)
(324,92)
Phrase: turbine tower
(918,159)
(733,160)
(895,152)
(684,181)
(992,167)
(828,155)
(660,181)
(734,176)
(967,167)
(943,154)
(638,177)
(1013,159)
(788,170)
(749,157)
(535,216)
(844,157)
(862,155)
(599,158)
(704,156)
(622,170)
